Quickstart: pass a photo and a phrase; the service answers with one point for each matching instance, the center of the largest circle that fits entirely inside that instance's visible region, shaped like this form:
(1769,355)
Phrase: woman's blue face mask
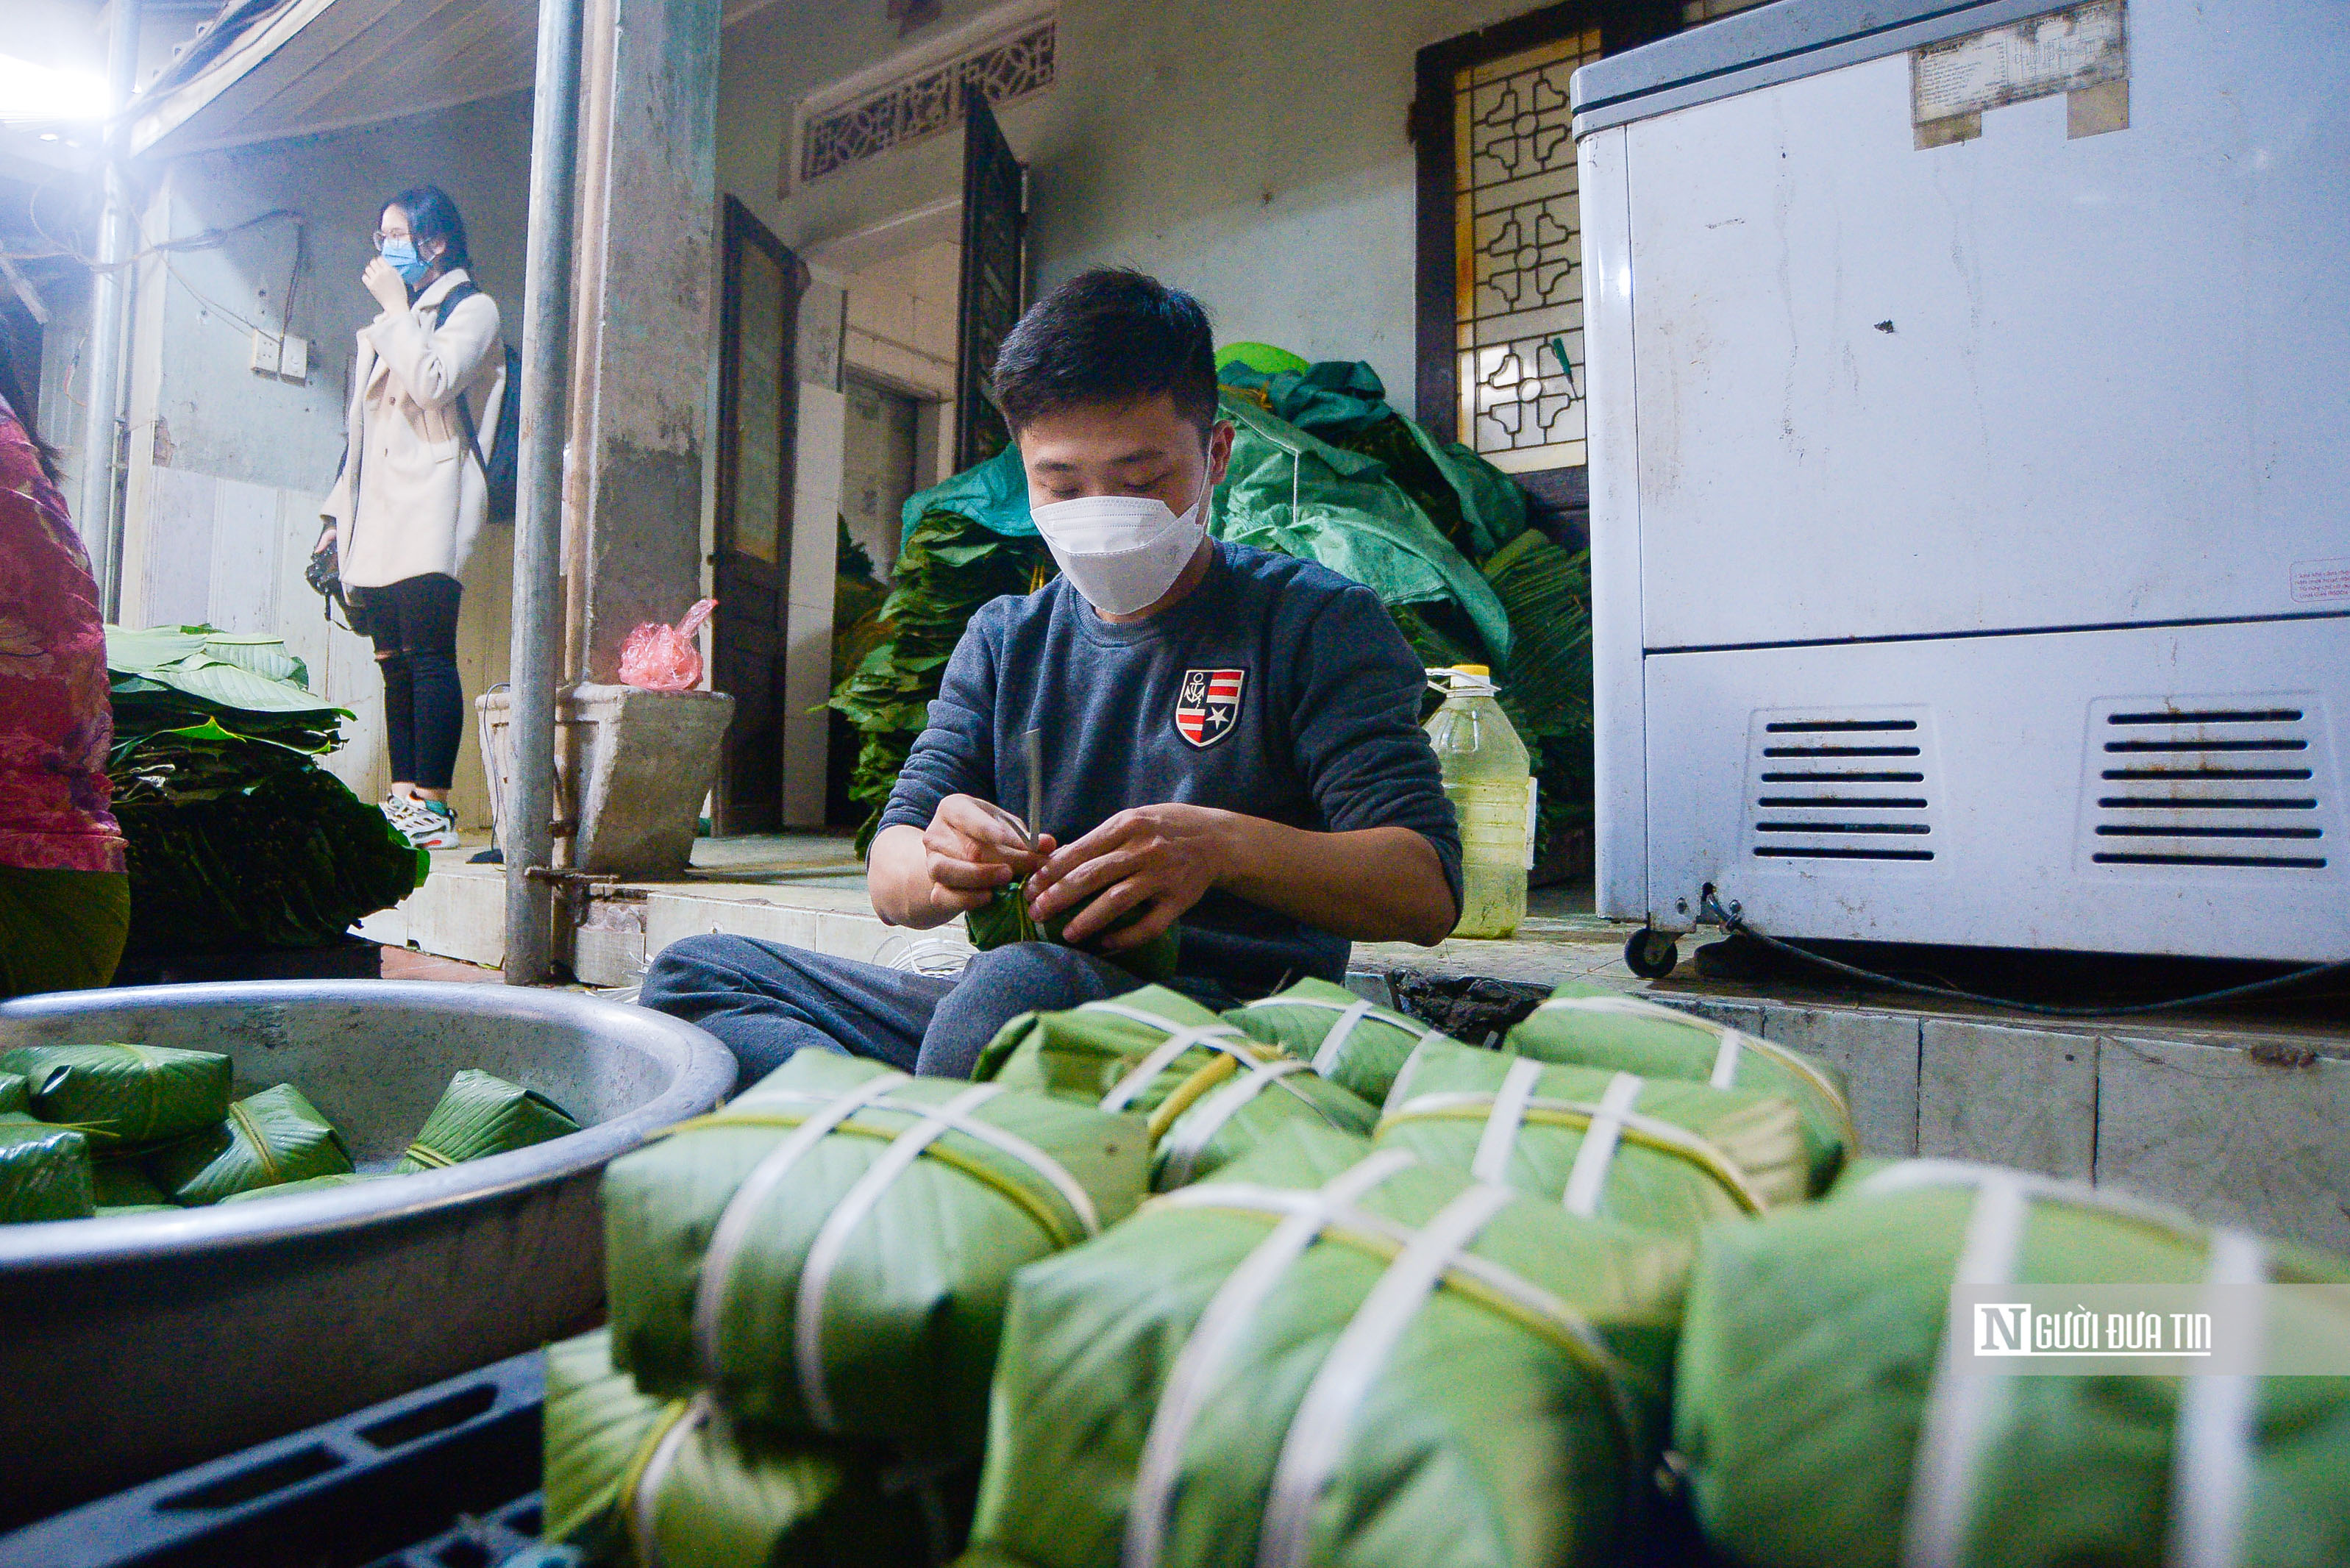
(400,252)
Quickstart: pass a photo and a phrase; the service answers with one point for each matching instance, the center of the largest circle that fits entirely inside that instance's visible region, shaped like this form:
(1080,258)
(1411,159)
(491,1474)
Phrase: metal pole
(527,815)
(103,350)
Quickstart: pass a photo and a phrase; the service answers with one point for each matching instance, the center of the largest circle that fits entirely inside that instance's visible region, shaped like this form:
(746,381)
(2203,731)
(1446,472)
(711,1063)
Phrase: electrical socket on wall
(266,353)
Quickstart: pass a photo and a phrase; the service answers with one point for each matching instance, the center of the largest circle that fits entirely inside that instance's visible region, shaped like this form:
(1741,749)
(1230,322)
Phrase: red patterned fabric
(56,720)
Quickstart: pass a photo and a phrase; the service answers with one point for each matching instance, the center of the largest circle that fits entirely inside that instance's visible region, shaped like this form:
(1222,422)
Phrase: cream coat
(423,498)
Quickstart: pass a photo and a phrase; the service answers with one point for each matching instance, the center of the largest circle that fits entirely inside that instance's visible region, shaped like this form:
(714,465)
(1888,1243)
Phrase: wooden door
(758,429)
(994,275)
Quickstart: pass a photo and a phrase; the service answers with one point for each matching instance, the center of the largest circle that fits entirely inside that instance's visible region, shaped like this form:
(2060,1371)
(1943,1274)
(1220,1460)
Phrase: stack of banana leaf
(238,838)
(1322,468)
(949,564)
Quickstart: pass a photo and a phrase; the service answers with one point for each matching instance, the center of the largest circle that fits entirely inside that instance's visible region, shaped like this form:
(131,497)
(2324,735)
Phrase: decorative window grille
(1518,257)
(927,101)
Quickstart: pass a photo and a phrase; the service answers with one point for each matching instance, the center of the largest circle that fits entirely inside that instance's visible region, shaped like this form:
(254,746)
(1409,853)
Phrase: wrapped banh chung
(635,1479)
(480,1114)
(123,1095)
(1348,1039)
(1584,1027)
(1643,1151)
(829,1254)
(1822,1427)
(1210,1093)
(267,1139)
(1330,1354)
(45,1172)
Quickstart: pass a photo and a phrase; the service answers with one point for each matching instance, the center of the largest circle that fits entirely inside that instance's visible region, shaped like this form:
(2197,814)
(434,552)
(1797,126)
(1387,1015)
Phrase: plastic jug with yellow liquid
(1491,786)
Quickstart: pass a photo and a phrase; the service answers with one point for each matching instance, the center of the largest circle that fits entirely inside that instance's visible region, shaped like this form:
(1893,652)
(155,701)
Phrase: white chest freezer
(1971,472)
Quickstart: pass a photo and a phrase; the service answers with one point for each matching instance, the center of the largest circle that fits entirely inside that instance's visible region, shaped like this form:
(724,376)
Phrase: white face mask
(1122,552)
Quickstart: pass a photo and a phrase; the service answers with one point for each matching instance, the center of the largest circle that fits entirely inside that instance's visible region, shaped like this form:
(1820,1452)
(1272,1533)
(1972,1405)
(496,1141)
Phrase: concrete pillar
(644,321)
(638,763)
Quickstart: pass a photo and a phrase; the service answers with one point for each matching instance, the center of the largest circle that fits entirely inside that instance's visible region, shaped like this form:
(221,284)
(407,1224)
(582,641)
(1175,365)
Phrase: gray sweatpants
(766,1001)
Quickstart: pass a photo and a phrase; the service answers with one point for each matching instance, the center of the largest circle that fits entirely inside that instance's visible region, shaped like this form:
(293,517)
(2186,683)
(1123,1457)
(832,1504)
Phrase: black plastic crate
(440,1470)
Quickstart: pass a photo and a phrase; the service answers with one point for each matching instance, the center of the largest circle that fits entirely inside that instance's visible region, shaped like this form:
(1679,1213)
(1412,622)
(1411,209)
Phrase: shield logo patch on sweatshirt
(1209,705)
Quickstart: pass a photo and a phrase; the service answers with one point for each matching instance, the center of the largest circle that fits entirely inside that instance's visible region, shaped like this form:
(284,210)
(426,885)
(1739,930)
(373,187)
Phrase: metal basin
(136,1345)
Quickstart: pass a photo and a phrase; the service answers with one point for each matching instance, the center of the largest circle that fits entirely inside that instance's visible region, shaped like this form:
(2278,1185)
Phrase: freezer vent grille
(1853,785)
(2206,783)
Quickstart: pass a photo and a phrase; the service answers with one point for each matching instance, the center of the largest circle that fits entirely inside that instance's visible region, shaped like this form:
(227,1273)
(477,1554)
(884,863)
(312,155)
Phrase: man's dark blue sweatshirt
(1277,689)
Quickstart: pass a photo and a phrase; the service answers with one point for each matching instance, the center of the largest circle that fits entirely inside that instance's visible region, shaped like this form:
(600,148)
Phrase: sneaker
(430,824)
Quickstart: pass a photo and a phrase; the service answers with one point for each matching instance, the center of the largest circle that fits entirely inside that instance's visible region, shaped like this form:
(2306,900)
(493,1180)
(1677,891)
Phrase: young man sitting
(1229,739)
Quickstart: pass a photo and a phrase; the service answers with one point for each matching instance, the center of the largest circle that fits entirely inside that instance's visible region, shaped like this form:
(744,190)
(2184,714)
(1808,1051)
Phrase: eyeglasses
(381,238)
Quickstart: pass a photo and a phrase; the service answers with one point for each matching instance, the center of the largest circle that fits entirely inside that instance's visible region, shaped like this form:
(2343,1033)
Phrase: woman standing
(410,502)
(65,901)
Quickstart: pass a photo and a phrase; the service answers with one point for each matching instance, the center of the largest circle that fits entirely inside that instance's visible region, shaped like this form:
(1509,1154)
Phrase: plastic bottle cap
(1485,669)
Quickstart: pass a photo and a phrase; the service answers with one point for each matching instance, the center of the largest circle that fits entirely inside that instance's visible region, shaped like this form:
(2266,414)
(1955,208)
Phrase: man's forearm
(1372,884)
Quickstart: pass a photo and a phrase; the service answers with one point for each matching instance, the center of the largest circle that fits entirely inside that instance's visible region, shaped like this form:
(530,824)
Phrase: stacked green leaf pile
(1322,468)
(238,839)
(1465,1339)
(949,564)
(94,1131)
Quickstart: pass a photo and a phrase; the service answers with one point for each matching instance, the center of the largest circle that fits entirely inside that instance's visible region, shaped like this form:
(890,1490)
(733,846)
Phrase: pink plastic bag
(659,658)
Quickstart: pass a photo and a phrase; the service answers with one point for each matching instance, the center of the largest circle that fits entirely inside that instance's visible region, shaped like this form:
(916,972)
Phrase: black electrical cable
(1730,922)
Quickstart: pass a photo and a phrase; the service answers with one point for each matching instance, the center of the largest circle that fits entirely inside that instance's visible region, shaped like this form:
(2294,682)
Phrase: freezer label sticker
(2079,47)
(1209,705)
(2321,582)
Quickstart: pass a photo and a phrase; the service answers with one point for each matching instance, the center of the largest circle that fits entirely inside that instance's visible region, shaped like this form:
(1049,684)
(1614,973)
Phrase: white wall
(1254,155)
(227,465)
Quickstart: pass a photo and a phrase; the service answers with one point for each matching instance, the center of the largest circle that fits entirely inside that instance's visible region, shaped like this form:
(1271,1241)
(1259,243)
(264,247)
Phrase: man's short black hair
(1109,336)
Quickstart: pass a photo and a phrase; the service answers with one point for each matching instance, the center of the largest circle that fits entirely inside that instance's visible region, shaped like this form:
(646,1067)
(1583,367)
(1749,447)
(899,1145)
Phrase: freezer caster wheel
(1651,954)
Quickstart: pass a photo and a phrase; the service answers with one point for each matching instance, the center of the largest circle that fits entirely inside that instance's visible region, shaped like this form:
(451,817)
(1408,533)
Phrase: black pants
(414,624)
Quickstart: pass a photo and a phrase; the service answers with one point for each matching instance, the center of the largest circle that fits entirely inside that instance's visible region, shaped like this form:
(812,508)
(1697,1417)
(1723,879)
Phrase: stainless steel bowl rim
(705,1070)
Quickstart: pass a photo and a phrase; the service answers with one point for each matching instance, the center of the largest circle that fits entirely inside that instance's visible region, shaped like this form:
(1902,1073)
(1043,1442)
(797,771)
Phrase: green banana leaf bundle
(43,1171)
(635,1479)
(1329,1357)
(1210,1093)
(289,861)
(123,1183)
(1355,1044)
(829,1252)
(480,1114)
(124,1096)
(310,1184)
(1824,1424)
(1585,1026)
(15,1093)
(274,1137)
(1004,919)
(950,563)
(1640,1151)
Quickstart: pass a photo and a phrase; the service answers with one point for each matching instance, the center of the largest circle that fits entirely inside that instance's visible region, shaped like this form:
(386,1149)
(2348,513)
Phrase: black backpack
(505,442)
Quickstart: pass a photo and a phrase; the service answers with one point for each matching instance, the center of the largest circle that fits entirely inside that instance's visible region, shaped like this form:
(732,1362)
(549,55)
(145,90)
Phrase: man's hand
(926,878)
(383,280)
(1158,859)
